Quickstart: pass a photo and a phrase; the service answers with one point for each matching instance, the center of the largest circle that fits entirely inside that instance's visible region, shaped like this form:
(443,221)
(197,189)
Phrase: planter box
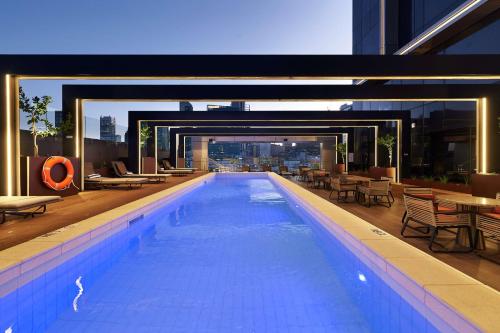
(462,188)
(31,180)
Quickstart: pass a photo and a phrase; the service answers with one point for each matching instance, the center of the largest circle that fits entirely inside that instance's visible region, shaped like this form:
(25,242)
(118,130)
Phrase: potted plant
(388,142)
(145,134)
(342,150)
(36,109)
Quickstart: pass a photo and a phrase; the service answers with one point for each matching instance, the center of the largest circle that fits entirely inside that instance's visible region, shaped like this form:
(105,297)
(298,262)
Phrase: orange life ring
(47,178)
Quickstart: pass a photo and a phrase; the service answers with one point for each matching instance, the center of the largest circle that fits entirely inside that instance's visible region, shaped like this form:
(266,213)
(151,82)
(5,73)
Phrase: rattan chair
(376,189)
(488,223)
(340,186)
(423,211)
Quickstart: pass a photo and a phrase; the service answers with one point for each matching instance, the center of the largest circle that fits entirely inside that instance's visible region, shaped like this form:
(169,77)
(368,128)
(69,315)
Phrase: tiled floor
(389,220)
(76,208)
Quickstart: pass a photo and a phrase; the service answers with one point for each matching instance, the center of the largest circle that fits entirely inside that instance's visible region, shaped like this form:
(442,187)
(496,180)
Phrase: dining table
(472,205)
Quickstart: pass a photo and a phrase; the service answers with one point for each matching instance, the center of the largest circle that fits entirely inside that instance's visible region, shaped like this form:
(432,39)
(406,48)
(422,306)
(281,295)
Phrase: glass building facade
(443,134)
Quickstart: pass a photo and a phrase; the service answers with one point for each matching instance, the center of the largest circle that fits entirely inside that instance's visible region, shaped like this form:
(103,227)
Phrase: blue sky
(172,27)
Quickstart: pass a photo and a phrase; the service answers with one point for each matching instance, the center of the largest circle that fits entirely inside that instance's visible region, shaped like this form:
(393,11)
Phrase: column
(10,168)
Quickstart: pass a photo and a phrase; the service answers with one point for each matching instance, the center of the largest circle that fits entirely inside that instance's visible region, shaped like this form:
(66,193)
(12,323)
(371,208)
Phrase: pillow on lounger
(94,175)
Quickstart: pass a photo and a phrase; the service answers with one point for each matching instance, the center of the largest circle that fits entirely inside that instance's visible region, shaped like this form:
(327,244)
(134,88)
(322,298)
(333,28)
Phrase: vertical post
(10,169)
(375,148)
(133,142)
(488,134)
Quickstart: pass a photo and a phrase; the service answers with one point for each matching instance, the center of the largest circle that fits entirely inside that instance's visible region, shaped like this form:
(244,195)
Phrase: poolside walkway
(76,208)
(389,220)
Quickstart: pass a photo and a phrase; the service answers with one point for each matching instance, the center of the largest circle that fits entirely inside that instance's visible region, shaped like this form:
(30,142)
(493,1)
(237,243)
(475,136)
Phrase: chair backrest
(283,168)
(420,209)
(382,185)
(120,168)
(265,168)
(166,164)
(390,179)
(417,190)
(88,169)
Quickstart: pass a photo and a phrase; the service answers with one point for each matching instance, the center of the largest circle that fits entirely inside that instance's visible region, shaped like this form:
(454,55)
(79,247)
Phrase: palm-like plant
(145,134)
(342,150)
(36,108)
(388,142)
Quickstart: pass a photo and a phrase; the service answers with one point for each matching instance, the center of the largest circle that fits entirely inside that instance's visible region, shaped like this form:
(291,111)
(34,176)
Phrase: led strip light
(8,141)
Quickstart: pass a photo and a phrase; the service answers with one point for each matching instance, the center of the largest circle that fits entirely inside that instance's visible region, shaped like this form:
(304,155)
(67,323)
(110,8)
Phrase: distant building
(108,128)
(163,138)
(58,118)
(185,106)
(118,138)
(235,106)
(126,137)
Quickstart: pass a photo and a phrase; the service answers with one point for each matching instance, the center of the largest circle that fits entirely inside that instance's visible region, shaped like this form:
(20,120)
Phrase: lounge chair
(424,211)
(488,223)
(375,189)
(96,180)
(265,168)
(284,171)
(168,166)
(342,185)
(245,168)
(21,205)
(122,172)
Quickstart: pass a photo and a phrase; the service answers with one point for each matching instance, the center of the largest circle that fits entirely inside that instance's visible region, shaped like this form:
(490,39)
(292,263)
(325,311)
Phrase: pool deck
(77,208)
(389,220)
(428,284)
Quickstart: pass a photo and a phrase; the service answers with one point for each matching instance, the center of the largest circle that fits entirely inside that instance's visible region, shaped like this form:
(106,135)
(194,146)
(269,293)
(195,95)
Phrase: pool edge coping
(462,316)
(24,262)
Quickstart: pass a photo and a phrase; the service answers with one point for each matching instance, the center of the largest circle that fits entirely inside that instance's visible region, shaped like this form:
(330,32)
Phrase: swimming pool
(236,254)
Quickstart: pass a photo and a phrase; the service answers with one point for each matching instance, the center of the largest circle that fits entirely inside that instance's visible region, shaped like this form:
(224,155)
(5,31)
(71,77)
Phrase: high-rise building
(58,119)
(185,106)
(235,106)
(108,128)
(441,145)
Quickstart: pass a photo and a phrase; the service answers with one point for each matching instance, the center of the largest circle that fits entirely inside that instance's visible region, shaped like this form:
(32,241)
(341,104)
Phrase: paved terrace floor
(76,208)
(389,220)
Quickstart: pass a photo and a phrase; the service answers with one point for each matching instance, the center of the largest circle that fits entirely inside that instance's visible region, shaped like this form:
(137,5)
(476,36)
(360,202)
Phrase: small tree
(388,142)
(36,108)
(342,150)
(145,134)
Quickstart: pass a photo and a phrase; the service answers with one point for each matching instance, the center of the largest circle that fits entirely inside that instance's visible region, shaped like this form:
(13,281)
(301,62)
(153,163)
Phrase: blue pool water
(233,255)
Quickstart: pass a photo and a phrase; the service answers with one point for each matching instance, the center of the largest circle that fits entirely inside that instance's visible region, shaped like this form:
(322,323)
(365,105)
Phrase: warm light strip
(376,146)
(484,135)
(77,129)
(8,139)
(439,26)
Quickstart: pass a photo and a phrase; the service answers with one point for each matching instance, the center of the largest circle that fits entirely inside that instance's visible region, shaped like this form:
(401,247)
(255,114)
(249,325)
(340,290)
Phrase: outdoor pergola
(219,121)
(477,67)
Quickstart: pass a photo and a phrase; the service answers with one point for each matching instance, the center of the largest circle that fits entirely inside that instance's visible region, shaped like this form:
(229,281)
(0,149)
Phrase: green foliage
(429,178)
(388,141)
(444,179)
(36,109)
(342,150)
(145,134)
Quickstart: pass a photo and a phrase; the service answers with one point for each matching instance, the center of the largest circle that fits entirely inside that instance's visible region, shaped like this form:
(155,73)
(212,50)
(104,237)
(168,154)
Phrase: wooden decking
(76,208)
(389,220)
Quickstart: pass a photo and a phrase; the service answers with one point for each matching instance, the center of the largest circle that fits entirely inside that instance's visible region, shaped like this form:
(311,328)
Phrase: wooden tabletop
(469,200)
(358,178)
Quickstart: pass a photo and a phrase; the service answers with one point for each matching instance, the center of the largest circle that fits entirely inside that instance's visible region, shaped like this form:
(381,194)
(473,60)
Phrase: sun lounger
(167,166)
(121,171)
(96,180)
(19,205)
